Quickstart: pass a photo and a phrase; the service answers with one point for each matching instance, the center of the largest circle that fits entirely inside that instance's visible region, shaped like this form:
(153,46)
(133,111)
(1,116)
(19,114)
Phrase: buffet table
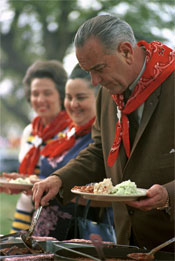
(59,250)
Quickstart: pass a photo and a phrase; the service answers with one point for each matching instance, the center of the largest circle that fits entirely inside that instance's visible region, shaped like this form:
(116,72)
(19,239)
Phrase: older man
(133,136)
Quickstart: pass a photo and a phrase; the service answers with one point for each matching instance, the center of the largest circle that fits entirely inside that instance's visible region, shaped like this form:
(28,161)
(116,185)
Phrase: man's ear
(127,51)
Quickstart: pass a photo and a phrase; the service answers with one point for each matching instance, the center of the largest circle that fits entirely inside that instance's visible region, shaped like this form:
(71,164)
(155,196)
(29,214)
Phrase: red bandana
(42,134)
(57,147)
(159,65)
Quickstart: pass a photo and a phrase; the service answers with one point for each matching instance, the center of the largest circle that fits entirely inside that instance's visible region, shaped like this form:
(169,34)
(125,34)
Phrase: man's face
(109,70)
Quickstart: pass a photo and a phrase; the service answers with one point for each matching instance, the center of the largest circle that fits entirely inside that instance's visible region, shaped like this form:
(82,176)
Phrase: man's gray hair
(110,30)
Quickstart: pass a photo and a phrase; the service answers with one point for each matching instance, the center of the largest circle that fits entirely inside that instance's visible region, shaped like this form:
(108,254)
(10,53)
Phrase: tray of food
(58,250)
(105,191)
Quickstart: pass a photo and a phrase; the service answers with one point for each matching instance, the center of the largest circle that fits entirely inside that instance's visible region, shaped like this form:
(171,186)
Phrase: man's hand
(157,196)
(50,186)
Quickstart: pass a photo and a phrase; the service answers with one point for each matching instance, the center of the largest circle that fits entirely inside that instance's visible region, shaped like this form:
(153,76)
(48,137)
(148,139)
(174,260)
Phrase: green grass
(7,210)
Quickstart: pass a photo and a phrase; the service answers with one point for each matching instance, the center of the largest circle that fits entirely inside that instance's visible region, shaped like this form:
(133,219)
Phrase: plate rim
(110,196)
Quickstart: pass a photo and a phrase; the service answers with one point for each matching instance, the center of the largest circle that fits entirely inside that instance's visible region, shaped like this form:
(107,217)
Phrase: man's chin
(113,92)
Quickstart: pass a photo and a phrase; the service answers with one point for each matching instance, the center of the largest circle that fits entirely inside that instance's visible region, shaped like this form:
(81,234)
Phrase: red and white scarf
(57,147)
(159,65)
(42,134)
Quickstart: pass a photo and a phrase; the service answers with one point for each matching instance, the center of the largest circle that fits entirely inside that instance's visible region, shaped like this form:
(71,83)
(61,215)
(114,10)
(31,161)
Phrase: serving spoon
(150,255)
(26,237)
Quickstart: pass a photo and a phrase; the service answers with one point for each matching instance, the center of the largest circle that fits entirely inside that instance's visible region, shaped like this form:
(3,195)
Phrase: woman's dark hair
(78,72)
(46,69)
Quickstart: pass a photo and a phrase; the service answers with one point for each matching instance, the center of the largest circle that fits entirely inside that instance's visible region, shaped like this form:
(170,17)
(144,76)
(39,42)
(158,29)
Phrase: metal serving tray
(117,251)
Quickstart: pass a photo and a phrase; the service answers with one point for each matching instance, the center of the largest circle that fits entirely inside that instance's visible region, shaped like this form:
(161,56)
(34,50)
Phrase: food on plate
(21,181)
(125,188)
(106,187)
(87,189)
(103,187)
(29,180)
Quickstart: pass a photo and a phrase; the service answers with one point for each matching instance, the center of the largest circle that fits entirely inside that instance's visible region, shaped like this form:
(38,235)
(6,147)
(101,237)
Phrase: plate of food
(105,191)
(19,183)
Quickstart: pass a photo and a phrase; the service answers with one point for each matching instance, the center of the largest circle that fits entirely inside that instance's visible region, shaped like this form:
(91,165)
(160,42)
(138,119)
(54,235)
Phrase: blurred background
(40,29)
(35,29)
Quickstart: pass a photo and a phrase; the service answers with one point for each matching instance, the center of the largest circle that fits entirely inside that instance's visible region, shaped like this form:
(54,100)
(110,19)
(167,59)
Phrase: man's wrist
(166,205)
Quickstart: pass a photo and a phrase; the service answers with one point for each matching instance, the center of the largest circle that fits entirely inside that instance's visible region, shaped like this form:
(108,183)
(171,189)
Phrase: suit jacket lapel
(149,108)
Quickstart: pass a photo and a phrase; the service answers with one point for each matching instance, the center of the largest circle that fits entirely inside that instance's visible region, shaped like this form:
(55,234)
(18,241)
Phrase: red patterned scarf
(159,65)
(57,147)
(42,134)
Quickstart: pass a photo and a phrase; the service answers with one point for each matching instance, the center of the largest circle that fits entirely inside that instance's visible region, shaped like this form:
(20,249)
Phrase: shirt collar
(132,86)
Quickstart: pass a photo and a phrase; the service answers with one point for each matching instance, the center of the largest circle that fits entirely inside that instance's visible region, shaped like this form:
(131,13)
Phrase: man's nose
(95,79)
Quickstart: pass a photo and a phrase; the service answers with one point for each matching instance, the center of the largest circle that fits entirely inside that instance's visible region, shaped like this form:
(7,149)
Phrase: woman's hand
(12,175)
(157,196)
(50,186)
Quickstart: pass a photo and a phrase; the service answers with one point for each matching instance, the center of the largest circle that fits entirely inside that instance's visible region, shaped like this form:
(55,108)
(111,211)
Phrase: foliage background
(41,29)
(7,208)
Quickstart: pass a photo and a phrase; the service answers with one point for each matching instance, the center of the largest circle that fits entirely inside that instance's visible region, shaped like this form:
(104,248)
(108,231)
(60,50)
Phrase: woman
(80,104)
(44,88)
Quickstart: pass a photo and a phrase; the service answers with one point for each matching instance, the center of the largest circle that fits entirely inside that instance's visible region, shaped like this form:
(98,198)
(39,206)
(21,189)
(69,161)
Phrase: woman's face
(45,99)
(80,101)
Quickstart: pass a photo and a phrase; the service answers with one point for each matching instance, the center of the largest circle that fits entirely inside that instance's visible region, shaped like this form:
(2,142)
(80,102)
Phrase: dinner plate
(111,197)
(6,184)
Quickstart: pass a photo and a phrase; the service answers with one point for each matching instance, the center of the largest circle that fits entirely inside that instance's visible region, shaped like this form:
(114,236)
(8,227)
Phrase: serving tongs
(26,237)
(150,255)
(79,253)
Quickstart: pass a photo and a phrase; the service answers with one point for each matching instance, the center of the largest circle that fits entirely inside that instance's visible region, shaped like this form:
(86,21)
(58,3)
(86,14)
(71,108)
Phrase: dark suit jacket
(151,162)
